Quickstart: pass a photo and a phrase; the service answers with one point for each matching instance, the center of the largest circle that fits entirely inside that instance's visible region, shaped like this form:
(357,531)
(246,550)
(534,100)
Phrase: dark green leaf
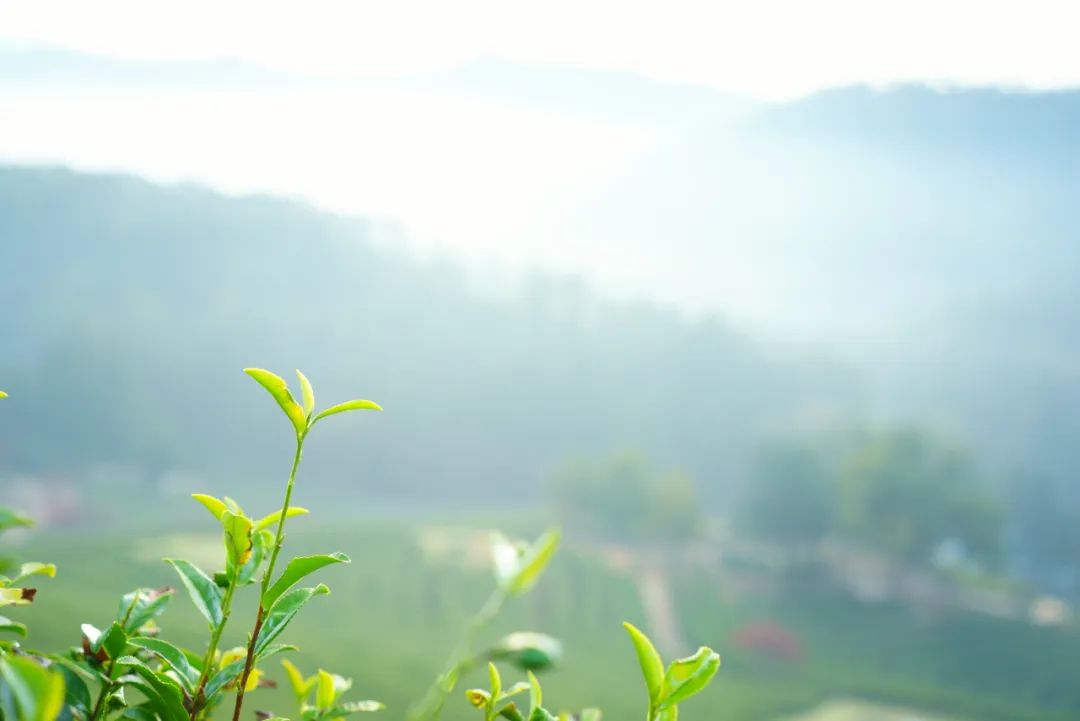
(283,611)
(204,592)
(297,569)
(6,624)
(173,657)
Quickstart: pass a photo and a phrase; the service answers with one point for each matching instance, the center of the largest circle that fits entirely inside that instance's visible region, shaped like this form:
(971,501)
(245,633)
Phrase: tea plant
(128,671)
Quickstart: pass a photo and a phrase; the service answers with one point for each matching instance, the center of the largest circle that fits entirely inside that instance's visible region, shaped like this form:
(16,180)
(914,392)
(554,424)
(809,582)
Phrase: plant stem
(260,616)
(430,706)
(215,639)
(107,687)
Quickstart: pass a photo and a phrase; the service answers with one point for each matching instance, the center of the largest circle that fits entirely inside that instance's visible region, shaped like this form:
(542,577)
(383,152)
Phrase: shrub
(129,671)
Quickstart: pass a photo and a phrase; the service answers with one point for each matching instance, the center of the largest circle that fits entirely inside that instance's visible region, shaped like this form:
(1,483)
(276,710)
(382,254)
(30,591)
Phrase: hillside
(134,307)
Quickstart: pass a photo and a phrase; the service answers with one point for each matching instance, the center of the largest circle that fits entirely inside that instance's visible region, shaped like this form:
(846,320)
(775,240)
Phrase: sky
(766,48)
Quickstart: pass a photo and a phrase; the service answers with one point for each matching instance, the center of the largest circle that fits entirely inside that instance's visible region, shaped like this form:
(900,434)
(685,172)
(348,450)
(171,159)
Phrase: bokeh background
(773,309)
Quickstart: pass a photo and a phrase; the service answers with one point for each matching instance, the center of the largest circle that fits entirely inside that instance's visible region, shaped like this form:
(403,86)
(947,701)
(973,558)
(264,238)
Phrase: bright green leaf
(34,568)
(272,519)
(204,592)
(214,505)
(536,694)
(307,392)
(357,405)
(238,541)
(113,641)
(534,562)
(16,596)
(276,386)
(652,667)
(11,519)
(687,676)
(324,691)
(297,569)
(301,686)
(30,692)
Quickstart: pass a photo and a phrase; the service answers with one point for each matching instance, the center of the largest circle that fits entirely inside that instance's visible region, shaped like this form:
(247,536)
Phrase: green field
(393,615)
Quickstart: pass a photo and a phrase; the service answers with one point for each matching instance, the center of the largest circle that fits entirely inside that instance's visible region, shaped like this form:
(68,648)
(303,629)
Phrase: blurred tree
(906,491)
(623,497)
(789,497)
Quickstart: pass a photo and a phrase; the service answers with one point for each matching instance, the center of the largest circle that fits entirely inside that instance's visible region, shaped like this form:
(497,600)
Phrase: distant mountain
(131,309)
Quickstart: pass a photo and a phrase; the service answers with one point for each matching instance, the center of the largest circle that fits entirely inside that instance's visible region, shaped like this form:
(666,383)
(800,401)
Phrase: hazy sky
(768,48)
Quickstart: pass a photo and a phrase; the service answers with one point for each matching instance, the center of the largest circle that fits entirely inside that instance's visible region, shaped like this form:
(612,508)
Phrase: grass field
(394,614)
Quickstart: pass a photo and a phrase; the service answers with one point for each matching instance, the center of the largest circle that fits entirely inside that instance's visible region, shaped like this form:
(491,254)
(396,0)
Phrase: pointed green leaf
(687,676)
(536,695)
(3,394)
(324,691)
(238,541)
(272,519)
(214,505)
(495,681)
(301,686)
(29,691)
(166,690)
(296,570)
(534,562)
(307,393)
(652,667)
(173,657)
(113,641)
(276,386)
(357,405)
(204,592)
(6,624)
(223,677)
(283,611)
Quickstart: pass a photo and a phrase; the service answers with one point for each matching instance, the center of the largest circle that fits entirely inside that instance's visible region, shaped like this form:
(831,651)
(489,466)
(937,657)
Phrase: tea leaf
(307,392)
(150,604)
(301,686)
(283,611)
(238,541)
(275,385)
(324,692)
(652,667)
(357,405)
(166,690)
(35,569)
(687,676)
(204,592)
(534,562)
(296,570)
(214,505)
(6,624)
(271,519)
(33,692)
(173,657)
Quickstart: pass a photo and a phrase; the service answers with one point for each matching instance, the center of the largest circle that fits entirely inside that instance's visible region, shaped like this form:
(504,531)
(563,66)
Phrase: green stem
(211,650)
(430,706)
(260,616)
(106,688)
